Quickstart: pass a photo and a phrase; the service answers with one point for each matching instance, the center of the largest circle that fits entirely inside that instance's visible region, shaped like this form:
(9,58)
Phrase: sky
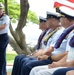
(40,7)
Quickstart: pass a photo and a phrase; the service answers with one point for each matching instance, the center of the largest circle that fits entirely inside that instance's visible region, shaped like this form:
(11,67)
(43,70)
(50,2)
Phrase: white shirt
(70,49)
(64,45)
(42,42)
(51,42)
(5,20)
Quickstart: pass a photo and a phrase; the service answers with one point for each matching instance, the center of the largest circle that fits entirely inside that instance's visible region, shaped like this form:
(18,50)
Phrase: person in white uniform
(66,19)
(4,39)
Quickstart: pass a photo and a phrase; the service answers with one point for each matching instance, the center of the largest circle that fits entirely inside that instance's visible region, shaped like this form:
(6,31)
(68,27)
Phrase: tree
(18,41)
(14,14)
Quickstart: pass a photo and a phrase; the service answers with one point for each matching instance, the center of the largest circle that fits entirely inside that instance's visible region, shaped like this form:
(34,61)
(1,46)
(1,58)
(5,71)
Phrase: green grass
(10,57)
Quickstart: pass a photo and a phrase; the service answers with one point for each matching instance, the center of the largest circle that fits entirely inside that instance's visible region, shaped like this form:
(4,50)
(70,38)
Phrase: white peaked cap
(66,10)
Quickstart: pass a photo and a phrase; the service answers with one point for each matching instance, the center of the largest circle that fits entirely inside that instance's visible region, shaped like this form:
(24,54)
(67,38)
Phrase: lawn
(10,57)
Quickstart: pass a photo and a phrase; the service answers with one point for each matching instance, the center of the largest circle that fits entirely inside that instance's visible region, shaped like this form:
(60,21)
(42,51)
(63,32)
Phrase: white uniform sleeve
(67,46)
(6,20)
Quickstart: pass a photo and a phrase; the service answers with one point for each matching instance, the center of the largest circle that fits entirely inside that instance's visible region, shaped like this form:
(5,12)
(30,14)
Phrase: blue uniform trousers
(18,62)
(62,71)
(26,67)
(4,39)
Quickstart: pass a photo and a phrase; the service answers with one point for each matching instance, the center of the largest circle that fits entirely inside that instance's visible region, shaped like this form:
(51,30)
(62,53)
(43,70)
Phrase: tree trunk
(17,41)
(6,7)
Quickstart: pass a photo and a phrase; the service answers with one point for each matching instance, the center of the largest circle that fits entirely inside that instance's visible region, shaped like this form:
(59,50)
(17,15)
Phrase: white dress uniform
(43,70)
(5,20)
(52,40)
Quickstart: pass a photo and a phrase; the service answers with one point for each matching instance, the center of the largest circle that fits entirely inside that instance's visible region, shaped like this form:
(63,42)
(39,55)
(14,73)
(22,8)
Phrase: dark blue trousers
(16,65)
(4,39)
(25,61)
(26,67)
(62,71)
(21,60)
(18,62)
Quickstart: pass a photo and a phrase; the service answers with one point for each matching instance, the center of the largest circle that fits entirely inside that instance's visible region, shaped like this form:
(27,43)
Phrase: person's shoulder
(6,16)
(72,32)
(60,30)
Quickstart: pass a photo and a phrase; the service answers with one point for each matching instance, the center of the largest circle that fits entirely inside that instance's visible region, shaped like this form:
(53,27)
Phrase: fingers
(39,57)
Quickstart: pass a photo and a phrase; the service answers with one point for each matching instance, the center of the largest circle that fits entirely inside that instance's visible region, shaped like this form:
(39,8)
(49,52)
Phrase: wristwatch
(31,54)
(49,57)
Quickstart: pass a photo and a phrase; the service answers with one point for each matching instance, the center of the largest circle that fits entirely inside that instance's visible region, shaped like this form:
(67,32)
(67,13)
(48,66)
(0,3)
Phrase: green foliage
(14,11)
(10,57)
(32,17)
(1,1)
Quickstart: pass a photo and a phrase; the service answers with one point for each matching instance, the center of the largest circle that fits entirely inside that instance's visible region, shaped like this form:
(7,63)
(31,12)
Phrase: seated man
(68,60)
(43,27)
(56,30)
(64,70)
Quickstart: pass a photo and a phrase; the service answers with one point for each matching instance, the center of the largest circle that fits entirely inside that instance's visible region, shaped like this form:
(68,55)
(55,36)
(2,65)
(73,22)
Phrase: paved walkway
(9,69)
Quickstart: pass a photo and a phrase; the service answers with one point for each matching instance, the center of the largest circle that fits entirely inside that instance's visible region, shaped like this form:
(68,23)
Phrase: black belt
(3,34)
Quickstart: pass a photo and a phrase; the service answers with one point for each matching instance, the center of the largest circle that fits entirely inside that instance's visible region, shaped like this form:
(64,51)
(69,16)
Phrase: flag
(67,3)
(71,1)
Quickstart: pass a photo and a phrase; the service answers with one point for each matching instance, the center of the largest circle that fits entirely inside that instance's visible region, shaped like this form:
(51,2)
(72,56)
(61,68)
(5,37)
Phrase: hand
(42,57)
(53,65)
(2,26)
